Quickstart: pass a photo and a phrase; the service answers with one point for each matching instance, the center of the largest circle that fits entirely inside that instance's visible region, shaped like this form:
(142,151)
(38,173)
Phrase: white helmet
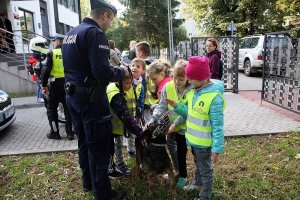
(38,44)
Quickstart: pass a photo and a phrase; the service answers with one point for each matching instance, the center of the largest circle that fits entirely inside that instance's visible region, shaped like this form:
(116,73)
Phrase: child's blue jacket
(216,114)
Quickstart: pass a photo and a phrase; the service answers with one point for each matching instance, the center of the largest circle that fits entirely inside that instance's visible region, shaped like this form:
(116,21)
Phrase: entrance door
(44,18)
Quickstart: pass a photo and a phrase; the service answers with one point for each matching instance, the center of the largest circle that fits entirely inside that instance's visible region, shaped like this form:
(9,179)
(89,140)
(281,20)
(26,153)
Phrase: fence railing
(281,74)
(9,49)
(229,48)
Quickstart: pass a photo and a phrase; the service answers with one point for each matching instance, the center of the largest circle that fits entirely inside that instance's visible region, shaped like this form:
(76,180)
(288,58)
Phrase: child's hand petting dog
(171,102)
(171,129)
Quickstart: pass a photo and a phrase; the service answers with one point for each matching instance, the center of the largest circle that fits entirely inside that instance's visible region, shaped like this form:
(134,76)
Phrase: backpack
(221,68)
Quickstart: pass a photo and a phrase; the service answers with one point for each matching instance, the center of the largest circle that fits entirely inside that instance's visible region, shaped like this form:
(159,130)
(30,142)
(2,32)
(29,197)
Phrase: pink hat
(198,68)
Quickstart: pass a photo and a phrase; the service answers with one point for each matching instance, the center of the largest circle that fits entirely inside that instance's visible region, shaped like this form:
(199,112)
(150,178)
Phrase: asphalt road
(250,83)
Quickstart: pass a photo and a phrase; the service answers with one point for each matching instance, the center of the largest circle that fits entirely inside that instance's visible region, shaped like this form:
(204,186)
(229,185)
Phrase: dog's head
(156,131)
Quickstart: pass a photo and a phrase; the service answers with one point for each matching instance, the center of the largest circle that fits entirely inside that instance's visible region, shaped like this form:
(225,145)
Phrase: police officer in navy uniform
(53,72)
(87,72)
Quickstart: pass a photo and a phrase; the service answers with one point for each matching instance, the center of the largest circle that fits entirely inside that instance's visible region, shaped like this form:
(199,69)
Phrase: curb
(26,106)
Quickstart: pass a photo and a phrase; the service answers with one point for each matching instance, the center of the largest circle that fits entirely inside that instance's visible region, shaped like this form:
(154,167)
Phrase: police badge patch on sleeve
(103,47)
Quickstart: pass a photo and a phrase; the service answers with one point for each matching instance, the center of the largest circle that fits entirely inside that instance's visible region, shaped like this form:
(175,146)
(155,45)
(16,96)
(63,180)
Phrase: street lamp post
(170,22)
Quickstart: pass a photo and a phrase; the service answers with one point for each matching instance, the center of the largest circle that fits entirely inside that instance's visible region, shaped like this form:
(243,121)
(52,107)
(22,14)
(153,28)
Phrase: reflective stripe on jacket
(198,123)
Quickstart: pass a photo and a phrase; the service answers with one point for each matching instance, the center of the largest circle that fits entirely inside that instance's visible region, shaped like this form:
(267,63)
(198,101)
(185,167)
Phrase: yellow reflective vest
(111,91)
(172,94)
(198,125)
(57,67)
(151,88)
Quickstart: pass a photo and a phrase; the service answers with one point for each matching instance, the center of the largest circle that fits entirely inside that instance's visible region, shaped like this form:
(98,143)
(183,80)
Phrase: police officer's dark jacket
(85,52)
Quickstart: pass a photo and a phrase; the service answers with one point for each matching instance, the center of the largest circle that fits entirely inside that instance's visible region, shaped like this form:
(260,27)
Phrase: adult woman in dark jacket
(214,56)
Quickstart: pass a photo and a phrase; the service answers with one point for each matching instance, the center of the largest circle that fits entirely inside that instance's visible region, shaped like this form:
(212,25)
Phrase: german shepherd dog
(151,155)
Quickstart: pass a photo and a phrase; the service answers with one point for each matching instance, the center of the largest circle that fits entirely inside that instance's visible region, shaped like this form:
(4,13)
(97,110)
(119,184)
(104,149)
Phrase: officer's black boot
(54,133)
(70,135)
(69,131)
(117,195)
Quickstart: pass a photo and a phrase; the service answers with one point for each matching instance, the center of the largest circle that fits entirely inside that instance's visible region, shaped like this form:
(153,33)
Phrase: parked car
(125,54)
(251,54)
(252,48)
(7,110)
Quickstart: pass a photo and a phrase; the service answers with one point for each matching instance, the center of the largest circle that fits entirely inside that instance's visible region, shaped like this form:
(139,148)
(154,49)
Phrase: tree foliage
(147,20)
(85,7)
(143,20)
(250,16)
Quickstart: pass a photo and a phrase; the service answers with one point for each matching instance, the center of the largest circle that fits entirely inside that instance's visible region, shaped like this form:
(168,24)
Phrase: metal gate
(281,74)
(229,47)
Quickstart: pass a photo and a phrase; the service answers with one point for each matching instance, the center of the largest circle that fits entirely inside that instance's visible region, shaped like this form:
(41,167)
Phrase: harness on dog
(158,135)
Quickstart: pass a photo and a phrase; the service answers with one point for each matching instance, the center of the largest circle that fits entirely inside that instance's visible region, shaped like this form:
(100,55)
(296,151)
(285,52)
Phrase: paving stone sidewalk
(28,133)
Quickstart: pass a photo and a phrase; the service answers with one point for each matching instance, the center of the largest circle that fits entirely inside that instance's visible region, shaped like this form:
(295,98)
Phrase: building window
(61,29)
(72,5)
(27,24)
(65,3)
(43,11)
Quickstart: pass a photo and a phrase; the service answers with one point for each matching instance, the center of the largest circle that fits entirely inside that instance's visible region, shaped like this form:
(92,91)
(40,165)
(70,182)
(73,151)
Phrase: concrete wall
(13,80)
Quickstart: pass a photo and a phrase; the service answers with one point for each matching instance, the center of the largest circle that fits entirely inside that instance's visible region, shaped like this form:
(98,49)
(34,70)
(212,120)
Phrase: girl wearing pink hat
(205,121)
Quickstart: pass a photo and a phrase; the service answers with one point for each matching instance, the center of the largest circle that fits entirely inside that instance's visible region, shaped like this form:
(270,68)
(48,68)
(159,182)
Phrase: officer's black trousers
(94,143)
(56,95)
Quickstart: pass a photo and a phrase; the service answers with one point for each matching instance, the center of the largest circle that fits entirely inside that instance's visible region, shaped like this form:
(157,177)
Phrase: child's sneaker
(181,182)
(113,173)
(123,169)
(191,186)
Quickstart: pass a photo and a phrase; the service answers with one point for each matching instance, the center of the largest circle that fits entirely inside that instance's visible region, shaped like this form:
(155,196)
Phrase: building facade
(46,18)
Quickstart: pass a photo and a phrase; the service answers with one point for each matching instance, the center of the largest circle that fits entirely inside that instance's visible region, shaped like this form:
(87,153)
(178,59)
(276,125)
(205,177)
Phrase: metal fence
(229,47)
(157,53)
(183,50)
(281,74)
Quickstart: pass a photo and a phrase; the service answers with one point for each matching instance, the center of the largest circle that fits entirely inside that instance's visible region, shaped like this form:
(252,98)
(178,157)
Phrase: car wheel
(247,68)
(61,114)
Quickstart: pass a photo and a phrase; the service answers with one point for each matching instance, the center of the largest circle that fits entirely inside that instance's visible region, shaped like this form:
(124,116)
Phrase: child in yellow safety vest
(123,112)
(150,89)
(176,90)
(137,68)
(205,121)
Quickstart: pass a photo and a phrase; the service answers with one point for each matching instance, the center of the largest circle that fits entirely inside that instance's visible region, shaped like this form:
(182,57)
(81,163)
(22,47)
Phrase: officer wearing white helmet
(53,72)
(87,72)
(39,48)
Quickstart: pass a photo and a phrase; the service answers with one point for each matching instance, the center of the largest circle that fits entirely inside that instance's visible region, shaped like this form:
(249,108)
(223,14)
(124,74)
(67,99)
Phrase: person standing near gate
(87,72)
(53,71)
(214,56)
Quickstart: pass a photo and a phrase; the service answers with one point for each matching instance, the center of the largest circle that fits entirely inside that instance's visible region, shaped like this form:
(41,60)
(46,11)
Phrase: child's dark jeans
(204,171)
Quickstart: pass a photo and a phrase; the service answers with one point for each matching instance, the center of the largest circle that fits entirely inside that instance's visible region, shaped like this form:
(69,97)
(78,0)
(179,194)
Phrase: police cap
(58,37)
(102,4)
